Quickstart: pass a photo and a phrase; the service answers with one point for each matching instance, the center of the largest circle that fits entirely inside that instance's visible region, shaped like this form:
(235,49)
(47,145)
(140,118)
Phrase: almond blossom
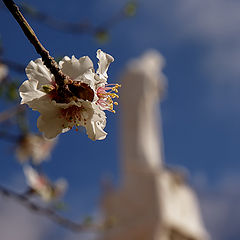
(34,147)
(91,95)
(41,185)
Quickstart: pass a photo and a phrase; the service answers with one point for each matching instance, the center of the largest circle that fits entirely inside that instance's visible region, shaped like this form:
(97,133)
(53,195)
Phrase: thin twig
(4,116)
(13,65)
(71,27)
(8,136)
(74,28)
(60,78)
(11,112)
(51,214)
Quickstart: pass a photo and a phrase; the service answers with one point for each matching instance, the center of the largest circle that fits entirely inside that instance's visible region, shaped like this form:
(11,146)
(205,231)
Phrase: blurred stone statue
(153,202)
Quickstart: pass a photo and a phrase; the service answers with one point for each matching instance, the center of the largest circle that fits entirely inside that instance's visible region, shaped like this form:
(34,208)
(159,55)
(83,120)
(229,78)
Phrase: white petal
(103,63)
(89,78)
(28,91)
(74,67)
(38,75)
(95,126)
(36,70)
(41,104)
(51,125)
(31,176)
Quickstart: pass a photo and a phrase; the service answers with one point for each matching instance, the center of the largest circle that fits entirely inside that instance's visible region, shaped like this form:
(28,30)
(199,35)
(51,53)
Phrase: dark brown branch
(49,61)
(51,214)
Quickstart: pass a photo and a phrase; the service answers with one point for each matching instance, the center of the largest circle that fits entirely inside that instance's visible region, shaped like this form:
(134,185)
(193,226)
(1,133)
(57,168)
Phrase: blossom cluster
(34,147)
(91,96)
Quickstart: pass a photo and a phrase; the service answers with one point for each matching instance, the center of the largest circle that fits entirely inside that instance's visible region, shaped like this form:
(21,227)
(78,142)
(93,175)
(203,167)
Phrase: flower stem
(60,78)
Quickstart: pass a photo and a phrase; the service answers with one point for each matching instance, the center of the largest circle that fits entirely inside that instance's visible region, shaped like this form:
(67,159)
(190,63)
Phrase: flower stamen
(73,115)
(106,95)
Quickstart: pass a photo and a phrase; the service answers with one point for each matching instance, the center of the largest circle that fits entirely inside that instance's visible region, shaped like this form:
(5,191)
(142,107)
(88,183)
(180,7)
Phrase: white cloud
(216,24)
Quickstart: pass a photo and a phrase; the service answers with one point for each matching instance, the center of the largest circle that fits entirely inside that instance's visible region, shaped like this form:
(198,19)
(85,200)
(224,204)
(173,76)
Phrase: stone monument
(153,202)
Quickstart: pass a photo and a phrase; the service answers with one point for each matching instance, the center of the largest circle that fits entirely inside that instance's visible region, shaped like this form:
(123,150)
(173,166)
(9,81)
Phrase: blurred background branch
(128,10)
(48,212)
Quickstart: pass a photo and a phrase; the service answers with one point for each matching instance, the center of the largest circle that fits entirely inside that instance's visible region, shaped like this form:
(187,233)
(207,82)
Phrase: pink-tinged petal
(74,67)
(37,71)
(103,63)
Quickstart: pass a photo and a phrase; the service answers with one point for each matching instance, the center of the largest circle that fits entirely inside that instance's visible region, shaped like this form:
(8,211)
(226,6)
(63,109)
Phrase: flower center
(74,116)
(106,95)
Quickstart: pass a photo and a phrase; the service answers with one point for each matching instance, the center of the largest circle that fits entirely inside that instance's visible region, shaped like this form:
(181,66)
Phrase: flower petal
(28,91)
(95,126)
(50,122)
(51,125)
(103,64)
(75,67)
(36,70)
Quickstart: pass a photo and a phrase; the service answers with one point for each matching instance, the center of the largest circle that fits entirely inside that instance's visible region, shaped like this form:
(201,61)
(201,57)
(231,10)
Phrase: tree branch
(60,78)
(51,214)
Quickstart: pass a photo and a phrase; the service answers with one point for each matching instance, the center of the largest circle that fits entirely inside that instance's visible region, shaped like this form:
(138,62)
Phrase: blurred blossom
(130,9)
(42,186)
(89,94)
(102,36)
(34,147)
(3,72)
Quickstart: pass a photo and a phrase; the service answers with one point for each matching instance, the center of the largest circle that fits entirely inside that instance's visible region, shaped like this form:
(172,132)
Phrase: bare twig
(13,65)
(71,27)
(60,78)
(4,116)
(51,214)
(8,136)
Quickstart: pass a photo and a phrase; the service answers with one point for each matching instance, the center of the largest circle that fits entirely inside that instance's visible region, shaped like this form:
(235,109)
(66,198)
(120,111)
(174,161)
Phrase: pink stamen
(105,96)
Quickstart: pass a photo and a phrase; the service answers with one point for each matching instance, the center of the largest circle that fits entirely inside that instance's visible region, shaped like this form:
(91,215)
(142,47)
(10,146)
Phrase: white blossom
(42,186)
(40,93)
(34,147)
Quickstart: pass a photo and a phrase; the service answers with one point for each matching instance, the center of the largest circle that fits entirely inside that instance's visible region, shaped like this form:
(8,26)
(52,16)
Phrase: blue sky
(200,41)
